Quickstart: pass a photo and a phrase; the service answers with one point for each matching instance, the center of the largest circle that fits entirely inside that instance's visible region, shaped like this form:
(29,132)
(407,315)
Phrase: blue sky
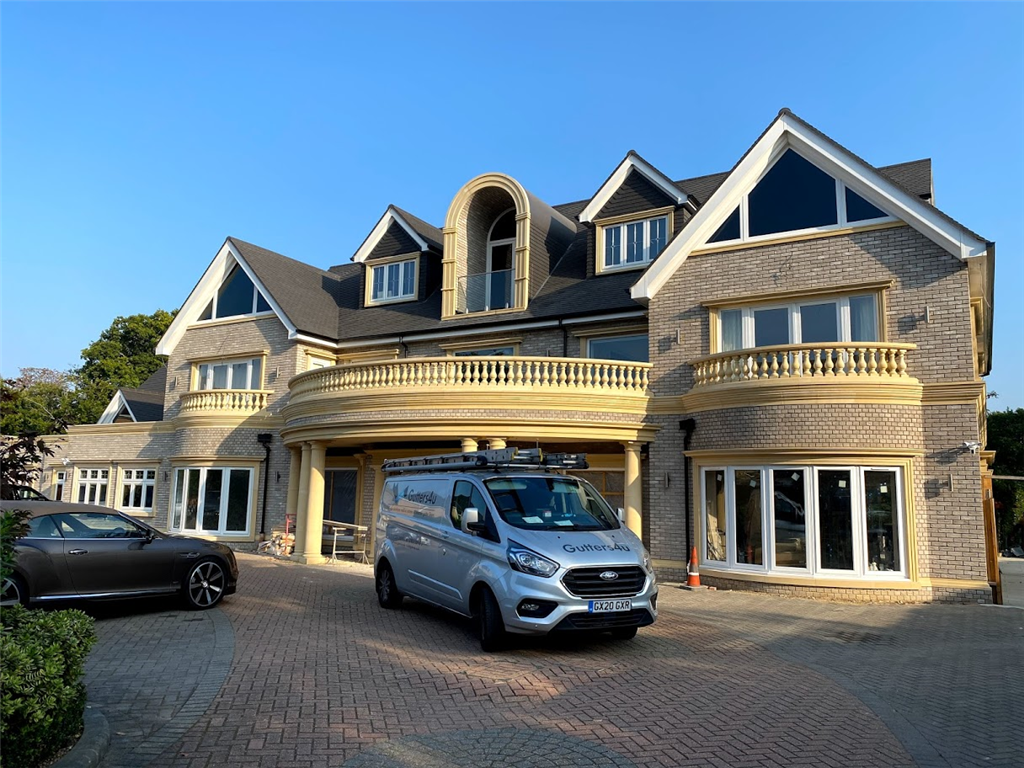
(136,137)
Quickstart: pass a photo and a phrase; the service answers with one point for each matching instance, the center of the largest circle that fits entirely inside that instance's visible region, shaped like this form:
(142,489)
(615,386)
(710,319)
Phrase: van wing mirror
(471,521)
(621,514)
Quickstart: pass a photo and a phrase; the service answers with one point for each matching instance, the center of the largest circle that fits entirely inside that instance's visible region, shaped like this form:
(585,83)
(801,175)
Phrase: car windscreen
(550,502)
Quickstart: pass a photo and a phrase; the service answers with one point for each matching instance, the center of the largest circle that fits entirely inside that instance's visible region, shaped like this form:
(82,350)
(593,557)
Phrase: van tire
(491,625)
(387,591)
(624,633)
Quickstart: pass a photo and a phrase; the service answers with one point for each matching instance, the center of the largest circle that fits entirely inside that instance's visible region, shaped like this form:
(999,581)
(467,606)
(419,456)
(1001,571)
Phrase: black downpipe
(565,340)
(688,426)
(264,439)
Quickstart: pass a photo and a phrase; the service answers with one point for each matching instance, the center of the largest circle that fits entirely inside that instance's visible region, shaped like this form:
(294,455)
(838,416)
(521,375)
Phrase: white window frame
(221,531)
(843,323)
(60,477)
(623,226)
(254,312)
(204,382)
(860,571)
(842,223)
(386,296)
(92,480)
(130,481)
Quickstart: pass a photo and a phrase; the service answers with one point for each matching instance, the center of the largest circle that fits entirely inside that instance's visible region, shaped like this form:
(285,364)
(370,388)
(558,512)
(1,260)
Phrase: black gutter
(688,426)
(264,439)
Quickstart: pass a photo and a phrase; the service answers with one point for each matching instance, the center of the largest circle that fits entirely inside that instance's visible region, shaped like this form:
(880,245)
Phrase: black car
(76,551)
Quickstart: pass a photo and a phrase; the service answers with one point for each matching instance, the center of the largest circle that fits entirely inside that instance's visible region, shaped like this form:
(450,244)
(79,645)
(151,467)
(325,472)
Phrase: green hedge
(42,696)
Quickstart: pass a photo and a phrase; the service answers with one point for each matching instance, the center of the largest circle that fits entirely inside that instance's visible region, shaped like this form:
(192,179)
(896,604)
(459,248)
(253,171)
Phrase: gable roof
(788,130)
(425,236)
(143,403)
(632,162)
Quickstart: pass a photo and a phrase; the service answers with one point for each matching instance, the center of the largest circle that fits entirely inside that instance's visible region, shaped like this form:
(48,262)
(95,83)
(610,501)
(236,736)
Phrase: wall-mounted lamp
(165,475)
(972,445)
(679,335)
(279,477)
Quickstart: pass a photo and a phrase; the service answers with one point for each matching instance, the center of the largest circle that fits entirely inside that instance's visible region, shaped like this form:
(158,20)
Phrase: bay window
(212,500)
(230,374)
(814,321)
(841,521)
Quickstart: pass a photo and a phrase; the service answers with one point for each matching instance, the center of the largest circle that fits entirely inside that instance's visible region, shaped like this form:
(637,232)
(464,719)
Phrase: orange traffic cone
(693,573)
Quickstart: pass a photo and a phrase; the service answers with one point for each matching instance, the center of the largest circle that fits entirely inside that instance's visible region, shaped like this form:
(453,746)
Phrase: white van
(506,538)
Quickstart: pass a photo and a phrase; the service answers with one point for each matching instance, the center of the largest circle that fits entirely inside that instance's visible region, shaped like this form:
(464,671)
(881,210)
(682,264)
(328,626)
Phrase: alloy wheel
(10,593)
(206,584)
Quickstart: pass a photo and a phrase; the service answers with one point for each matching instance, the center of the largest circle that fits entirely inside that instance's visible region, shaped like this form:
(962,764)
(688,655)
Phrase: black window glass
(730,229)
(628,348)
(43,528)
(793,195)
(505,227)
(208,312)
(262,305)
(235,296)
(859,209)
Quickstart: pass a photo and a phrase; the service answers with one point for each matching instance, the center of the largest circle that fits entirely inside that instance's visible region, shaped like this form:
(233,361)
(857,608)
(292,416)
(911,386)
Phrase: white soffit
(631,162)
(790,131)
(390,215)
(207,288)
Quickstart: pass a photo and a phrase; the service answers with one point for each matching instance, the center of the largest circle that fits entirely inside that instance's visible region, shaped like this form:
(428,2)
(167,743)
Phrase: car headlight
(527,561)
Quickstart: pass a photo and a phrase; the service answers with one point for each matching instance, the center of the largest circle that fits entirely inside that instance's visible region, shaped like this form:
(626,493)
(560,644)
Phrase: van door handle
(78,552)
(444,535)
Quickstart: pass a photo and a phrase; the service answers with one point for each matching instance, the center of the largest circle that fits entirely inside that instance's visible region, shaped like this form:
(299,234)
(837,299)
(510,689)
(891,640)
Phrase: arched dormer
(486,266)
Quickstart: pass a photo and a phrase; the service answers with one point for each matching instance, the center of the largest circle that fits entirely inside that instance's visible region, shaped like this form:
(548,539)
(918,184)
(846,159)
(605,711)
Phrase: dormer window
(237,297)
(393,281)
(631,244)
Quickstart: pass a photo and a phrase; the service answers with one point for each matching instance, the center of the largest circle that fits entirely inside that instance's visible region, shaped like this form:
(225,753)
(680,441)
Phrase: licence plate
(610,606)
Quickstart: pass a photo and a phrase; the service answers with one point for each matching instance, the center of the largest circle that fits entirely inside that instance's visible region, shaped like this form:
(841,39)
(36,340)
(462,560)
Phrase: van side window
(467,495)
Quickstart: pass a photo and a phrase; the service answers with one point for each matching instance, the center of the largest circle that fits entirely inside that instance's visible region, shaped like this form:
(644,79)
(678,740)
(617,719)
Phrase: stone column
(468,444)
(378,489)
(314,530)
(633,494)
(496,443)
(294,473)
(302,503)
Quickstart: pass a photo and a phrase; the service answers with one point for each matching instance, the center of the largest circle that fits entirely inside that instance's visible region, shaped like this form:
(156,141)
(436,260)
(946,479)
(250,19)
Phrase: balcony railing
(479,373)
(229,400)
(881,362)
(485,291)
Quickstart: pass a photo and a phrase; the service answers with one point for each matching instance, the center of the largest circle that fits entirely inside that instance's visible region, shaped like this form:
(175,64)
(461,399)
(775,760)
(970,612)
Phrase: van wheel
(387,593)
(624,633)
(491,625)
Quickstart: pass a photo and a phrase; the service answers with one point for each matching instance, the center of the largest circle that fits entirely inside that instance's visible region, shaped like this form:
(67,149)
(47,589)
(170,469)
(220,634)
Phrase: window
(817,321)
(230,374)
(319,362)
(631,348)
(634,243)
(805,520)
(97,525)
(212,500)
(237,296)
(92,486)
(59,477)
(794,195)
(467,496)
(394,281)
(486,352)
(137,490)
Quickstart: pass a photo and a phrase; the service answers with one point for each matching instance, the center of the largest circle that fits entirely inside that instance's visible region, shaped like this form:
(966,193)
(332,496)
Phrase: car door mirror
(621,514)
(471,521)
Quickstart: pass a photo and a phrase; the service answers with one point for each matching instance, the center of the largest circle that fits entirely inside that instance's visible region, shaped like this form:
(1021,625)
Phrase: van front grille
(587,582)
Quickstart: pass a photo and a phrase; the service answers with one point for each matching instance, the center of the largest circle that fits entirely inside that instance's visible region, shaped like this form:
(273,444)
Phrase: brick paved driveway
(322,677)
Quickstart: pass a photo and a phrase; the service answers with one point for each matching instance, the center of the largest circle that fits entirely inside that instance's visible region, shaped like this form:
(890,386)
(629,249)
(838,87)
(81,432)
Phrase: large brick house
(780,365)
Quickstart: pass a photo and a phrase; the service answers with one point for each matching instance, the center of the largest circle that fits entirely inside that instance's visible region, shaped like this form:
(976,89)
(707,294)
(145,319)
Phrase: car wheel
(13,591)
(491,625)
(205,584)
(624,633)
(387,592)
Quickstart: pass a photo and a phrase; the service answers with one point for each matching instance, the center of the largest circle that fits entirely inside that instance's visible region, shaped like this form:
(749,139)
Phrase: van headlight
(647,562)
(527,561)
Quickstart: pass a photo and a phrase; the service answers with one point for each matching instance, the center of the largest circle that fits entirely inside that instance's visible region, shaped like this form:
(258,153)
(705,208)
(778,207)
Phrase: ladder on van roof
(504,458)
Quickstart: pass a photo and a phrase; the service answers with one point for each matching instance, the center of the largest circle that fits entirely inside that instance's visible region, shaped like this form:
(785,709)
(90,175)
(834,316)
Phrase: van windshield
(550,502)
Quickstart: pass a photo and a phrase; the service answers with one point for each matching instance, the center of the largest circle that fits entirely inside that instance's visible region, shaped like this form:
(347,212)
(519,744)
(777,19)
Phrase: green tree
(1006,438)
(39,401)
(123,356)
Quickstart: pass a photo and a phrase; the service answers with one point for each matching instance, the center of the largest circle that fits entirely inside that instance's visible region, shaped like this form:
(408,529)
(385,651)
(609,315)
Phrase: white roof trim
(390,215)
(789,130)
(117,402)
(631,162)
(207,288)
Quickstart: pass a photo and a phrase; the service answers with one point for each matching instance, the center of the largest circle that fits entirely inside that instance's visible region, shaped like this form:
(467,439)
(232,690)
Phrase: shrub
(42,696)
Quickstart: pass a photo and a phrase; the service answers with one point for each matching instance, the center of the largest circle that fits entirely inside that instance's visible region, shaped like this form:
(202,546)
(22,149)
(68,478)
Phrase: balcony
(485,291)
(465,396)
(242,402)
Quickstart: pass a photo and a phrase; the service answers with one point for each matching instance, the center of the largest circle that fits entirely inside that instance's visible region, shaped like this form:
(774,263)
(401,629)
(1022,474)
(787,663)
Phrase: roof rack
(505,458)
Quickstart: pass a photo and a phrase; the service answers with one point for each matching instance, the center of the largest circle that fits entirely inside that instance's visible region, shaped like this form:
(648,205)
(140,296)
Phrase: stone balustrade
(239,401)
(875,361)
